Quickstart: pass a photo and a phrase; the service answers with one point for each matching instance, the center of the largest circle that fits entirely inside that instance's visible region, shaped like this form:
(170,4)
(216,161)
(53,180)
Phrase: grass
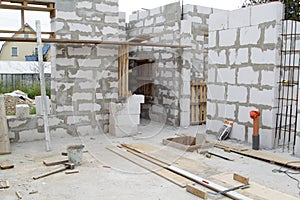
(31,91)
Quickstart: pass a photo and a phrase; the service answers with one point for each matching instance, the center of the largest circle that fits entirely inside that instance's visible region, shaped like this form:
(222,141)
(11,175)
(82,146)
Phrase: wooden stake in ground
(4,139)
(42,82)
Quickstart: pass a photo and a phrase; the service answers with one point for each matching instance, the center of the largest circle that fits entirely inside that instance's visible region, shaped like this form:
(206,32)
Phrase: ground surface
(124,180)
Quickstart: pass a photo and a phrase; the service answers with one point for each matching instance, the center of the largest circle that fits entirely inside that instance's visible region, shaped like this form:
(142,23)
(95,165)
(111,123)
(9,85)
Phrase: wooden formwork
(198,102)
(123,71)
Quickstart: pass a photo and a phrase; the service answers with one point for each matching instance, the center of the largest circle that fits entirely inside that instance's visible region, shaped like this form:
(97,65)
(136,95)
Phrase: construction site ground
(105,175)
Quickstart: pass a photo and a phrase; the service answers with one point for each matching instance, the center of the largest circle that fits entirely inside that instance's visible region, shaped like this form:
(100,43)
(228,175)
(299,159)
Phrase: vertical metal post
(42,83)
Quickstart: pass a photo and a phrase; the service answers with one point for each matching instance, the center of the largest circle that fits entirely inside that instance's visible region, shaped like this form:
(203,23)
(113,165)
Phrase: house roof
(26,25)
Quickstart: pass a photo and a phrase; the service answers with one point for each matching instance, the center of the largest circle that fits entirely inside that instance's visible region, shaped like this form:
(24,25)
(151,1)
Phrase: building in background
(23,51)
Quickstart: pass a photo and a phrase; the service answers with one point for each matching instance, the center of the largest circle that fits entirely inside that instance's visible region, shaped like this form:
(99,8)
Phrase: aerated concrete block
(249,35)
(22,111)
(226,75)
(227,37)
(237,94)
(266,13)
(246,75)
(218,21)
(239,18)
(216,92)
(123,131)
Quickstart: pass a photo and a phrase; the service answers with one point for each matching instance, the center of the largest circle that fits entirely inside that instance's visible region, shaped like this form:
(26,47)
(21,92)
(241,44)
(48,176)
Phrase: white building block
(22,111)
(249,35)
(188,8)
(268,78)
(263,57)
(246,75)
(272,34)
(185,105)
(215,57)
(204,10)
(123,131)
(77,119)
(109,30)
(244,114)
(214,125)
(226,75)
(211,109)
(226,111)
(239,56)
(268,118)
(79,51)
(39,106)
(135,99)
(160,19)
(186,26)
(111,19)
(267,137)
(82,74)
(211,75)
(266,13)
(237,94)
(67,16)
(239,18)
(142,14)
(89,107)
(184,119)
(104,8)
(121,120)
(80,27)
(238,132)
(216,92)
(212,38)
(84,4)
(155,11)
(81,96)
(262,97)
(227,37)
(218,21)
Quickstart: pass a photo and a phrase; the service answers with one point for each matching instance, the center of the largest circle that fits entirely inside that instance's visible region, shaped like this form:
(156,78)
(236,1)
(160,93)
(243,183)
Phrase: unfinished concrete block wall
(244,49)
(84,77)
(174,68)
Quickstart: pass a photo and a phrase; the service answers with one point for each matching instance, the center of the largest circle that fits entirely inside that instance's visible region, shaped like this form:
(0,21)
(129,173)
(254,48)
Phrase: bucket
(75,154)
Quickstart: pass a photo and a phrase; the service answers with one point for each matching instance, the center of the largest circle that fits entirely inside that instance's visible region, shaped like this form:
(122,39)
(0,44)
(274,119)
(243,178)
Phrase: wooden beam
(91,42)
(25,32)
(56,162)
(42,3)
(191,188)
(240,178)
(31,8)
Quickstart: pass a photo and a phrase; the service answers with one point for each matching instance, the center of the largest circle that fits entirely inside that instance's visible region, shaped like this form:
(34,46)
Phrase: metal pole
(42,83)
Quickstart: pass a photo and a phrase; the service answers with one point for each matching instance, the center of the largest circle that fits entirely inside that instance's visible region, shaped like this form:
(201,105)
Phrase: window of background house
(26,36)
(14,51)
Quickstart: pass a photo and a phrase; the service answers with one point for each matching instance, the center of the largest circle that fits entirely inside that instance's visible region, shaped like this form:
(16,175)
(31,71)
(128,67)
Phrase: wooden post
(42,82)
(4,139)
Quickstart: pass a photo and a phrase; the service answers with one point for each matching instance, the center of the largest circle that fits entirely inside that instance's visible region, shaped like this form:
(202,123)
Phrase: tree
(292,7)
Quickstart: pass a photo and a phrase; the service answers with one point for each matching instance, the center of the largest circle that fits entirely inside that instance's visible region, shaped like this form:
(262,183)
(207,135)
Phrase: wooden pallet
(198,102)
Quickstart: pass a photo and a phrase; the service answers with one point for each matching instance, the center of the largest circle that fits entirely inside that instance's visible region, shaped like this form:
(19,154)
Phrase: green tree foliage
(292,7)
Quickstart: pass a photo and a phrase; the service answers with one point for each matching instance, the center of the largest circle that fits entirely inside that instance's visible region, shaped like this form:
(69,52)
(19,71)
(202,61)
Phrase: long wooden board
(261,155)
(169,158)
(255,191)
(171,176)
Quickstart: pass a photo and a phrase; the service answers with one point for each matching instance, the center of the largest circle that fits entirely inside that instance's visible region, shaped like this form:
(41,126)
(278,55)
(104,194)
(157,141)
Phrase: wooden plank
(169,158)
(30,8)
(197,191)
(260,155)
(68,41)
(171,176)
(255,191)
(60,169)
(241,178)
(4,184)
(4,166)
(24,32)
(55,162)
(72,171)
(29,2)
(18,195)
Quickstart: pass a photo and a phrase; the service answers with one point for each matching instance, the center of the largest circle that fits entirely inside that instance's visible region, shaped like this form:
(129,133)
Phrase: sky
(11,20)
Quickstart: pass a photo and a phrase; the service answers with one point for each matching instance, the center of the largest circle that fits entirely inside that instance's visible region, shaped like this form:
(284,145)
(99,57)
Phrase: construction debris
(60,169)
(56,162)
(6,165)
(4,184)
(72,171)
(18,195)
